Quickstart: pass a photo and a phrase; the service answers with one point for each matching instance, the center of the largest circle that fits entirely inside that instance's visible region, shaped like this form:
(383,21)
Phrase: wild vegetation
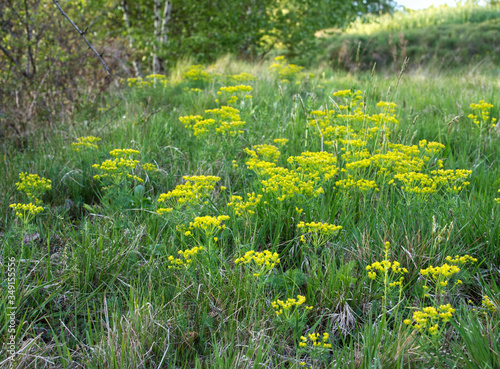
(439,38)
(243,215)
(247,215)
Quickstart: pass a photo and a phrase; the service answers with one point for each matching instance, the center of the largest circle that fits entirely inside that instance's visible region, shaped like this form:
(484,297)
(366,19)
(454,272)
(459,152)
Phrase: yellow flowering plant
(315,346)
(121,173)
(439,277)
(195,191)
(208,226)
(431,320)
(186,258)
(292,312)
(389,273)
(33,186)
(259,263)
(319,233)
(26,212)
(88,142)
(286,72)
(481,116)
(232,94)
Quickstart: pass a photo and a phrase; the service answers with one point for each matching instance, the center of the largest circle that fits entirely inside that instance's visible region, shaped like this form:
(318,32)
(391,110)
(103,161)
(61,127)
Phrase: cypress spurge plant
(121,176)
(430,321)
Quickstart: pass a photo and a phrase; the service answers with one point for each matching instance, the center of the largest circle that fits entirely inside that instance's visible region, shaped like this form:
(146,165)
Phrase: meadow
(439,38)
(248,216)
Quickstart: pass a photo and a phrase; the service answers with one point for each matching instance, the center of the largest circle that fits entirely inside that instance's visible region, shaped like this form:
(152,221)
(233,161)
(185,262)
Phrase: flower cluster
(383,267)
(227,122)
(234,91)
(441,275)
(260,262)
(313,340)
(186,258)
(284,71)
(208,225)
(320,232)
(280,141)
(197,73)
(85,142)
(488,305)
(192,192)
(242,77)
(33,186)
(245,207)
(315,165)
(121,168)
(429,319)
(289,307)
(26,212)
(482,115)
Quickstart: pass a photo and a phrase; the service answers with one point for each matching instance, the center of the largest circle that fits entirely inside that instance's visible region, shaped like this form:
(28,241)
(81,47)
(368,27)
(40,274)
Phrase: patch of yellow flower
(186,258)
(26,212)
(85,142)
(227,122)
(192,192)
(313,339)
(260,262)
(482,115)
(33,186)
(289,307)
(430,319)
(286,72)
(245,207)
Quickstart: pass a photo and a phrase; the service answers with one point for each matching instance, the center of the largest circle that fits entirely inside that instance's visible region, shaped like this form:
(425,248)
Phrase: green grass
(93,287)
(408,19)
(439,38)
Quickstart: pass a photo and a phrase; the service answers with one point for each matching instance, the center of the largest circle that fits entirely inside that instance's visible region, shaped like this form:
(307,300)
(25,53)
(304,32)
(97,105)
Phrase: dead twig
(82,33)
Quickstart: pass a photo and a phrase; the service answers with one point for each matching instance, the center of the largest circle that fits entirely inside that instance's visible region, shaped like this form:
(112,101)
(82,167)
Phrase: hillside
(440,38)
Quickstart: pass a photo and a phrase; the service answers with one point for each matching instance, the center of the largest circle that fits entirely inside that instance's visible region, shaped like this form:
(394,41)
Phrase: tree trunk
(126,18)
(161,29)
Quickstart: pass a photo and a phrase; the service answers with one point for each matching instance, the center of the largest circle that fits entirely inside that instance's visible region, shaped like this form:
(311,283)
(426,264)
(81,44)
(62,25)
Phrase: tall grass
(93,283)
(406,19)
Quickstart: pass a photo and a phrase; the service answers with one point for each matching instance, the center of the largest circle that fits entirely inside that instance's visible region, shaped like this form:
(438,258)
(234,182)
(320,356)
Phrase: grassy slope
(99,291)
(441,38)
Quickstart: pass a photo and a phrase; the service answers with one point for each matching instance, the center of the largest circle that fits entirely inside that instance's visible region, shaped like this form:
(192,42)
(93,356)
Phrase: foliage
(437,37)
(252,249)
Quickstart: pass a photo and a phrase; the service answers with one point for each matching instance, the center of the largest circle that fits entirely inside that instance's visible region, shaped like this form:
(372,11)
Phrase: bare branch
(82,33)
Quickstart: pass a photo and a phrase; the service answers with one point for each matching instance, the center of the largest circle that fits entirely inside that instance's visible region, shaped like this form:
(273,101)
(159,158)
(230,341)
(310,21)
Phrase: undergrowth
(252,216)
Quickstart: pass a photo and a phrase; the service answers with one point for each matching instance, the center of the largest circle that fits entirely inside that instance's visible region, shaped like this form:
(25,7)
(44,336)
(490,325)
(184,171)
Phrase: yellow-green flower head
(461,259)
(209,223)
(85,142)
(186,258)
(33,186)
(149,167)
(320,228)
(315,165)
(280,141)
(233,89)
(266,260)
(285,306)
(120,153)
(243,77)
(445,270)
(488,304)
(245,207)
(26,211)
(196,73)
(192,192)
